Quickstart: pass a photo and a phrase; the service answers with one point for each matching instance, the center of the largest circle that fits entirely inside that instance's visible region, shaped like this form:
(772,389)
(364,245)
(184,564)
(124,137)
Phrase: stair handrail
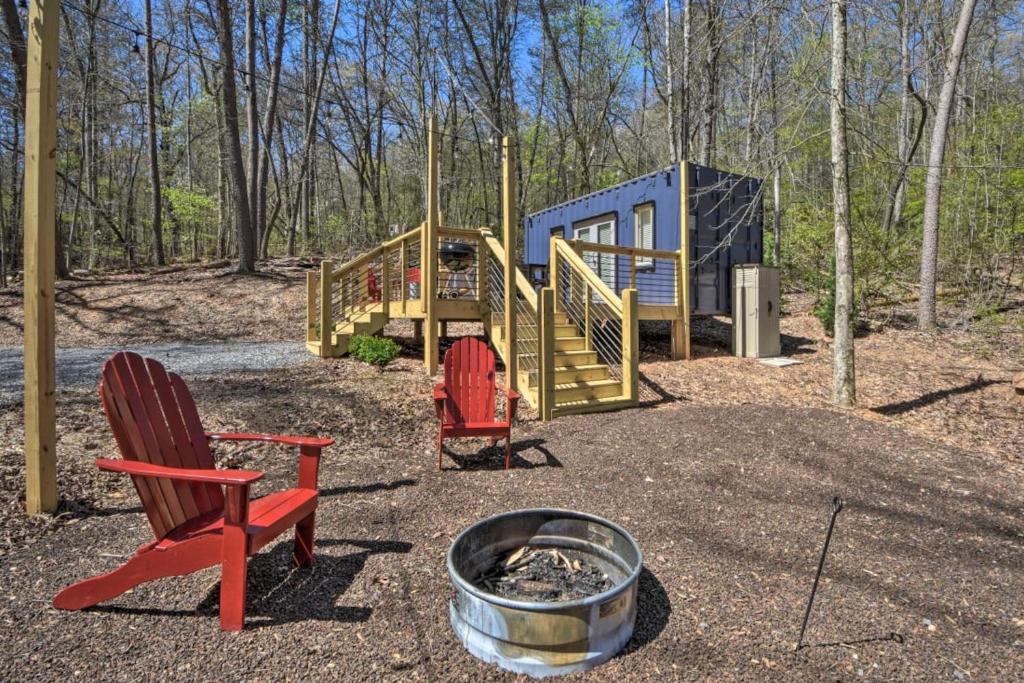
(579,266)
(522,284)
(320,290)
(626,307)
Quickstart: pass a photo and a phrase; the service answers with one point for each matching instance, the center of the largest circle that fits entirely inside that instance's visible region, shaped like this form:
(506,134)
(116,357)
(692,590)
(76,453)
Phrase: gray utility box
(755,311)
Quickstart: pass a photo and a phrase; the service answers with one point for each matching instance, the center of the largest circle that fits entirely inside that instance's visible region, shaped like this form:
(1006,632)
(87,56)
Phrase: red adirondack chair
(200,516)
(465,401)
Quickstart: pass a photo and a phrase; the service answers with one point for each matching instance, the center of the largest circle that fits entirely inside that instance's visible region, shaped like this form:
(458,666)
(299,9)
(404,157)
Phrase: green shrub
(825,306)
(377,351)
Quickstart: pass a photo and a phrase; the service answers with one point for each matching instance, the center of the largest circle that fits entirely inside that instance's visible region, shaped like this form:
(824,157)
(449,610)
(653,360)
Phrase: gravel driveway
(81,366)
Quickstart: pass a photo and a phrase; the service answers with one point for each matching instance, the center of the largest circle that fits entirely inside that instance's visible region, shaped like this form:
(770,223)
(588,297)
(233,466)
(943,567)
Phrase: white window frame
(645,262)
(603,265)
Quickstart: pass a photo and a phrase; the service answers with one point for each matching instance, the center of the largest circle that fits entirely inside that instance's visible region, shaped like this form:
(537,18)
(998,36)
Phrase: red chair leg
(235,562)
(233,583)
(508,451)
(440,448)
(304,541)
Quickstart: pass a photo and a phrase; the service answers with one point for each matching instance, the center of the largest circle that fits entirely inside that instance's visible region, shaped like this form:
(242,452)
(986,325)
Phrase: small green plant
(825,307)
(377,351)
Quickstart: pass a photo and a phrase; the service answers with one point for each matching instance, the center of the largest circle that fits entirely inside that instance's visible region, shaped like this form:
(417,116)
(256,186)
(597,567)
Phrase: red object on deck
(373,287)
(465,401)
(200,516)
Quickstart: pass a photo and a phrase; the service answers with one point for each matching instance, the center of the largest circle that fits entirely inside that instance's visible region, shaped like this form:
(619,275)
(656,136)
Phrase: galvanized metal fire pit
(544,638)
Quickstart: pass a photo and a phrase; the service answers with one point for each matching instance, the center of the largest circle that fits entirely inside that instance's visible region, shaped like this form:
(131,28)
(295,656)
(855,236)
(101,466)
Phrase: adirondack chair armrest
(512,403)
(309,451)
(300,441)
(440,396)
(206,476)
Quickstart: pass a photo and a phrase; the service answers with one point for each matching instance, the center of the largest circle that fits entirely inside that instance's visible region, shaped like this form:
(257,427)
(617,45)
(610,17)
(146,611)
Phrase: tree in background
(933,181)
(844,391)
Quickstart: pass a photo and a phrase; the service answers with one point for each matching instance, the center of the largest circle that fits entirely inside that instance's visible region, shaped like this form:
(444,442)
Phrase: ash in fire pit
(543,575)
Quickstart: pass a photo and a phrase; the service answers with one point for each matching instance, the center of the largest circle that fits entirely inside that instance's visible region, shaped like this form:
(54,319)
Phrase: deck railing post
(588,317)
(546,353)
(681,324)
(326,324)
(509,227)
(553,264)
(311,312)
(404,269)
(385,275)
(428,286)
(630,345)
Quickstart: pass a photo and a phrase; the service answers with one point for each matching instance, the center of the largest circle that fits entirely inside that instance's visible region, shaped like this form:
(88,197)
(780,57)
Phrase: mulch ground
(728,502)
(724,478)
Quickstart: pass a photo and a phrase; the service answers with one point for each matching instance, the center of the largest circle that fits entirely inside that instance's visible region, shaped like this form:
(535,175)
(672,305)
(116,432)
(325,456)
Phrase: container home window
(558,231)
(602,231)
(643,232)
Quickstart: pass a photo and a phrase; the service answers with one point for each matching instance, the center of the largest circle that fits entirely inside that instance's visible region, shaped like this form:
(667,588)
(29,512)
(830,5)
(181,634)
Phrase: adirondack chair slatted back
(469,379)
(154,420)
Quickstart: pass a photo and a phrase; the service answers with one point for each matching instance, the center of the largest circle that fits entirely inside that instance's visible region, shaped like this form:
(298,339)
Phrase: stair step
(562,359)
(586,390)
(598,405)
(568,374)
(529,331)
(570,344)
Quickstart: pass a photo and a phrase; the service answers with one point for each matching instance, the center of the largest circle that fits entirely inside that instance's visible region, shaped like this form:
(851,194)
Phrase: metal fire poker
(837,506)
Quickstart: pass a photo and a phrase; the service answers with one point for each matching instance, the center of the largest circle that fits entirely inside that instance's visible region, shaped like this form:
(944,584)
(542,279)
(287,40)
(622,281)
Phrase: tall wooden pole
(430,235)
(681,325)
(509,228)
(40,257)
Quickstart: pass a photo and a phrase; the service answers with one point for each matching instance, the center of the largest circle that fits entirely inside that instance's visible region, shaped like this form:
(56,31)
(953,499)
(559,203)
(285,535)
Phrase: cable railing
(386,276)
(458,265)
(525,355)
(609,323)
(655,274)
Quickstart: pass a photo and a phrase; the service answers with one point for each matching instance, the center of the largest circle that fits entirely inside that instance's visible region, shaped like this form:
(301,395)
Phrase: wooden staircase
(370,321)
(582,383)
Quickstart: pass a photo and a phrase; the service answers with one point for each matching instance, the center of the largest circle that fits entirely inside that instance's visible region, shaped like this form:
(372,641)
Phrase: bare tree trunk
(926,318)
(16,46)
(712,50)
(684,90)
(252,111)
(236,165)
(669,75)
(903,141)
(154,162)
(269,119)
(843,378)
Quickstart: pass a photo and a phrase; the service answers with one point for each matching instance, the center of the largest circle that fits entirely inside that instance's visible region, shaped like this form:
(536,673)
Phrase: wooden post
(40,257)
(385,290)
(588,316)
(553,265)
(630,345)
(311,312)
(546,353)
(326,323)
(442,328)
(404,270)
(509,229)
(681,325)
(428,267)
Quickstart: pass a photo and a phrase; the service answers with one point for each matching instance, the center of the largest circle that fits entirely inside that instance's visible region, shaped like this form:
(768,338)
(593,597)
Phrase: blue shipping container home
(725,221)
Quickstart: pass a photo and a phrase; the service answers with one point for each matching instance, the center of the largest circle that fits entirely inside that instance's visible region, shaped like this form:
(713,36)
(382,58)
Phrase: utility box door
(755,311)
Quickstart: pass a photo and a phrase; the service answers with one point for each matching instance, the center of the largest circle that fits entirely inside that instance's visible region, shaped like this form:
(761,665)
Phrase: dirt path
(728,502)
